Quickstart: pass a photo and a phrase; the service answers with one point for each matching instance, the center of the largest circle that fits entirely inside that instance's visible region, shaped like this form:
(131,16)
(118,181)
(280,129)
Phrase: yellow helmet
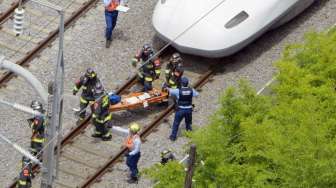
(134,127)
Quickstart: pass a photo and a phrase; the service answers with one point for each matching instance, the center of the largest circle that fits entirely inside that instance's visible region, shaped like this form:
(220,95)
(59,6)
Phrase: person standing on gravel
(101,116)
(148,71)
(87,82)
(37,124)
(184,106)
(111,16)
(133,144)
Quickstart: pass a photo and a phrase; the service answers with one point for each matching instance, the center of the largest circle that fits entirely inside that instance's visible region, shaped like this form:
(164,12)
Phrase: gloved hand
(74,92)
(165,87)
(134,62)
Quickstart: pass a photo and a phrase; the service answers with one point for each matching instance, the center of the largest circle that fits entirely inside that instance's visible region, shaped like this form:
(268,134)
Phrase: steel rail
(5,15)
(144,133)
(51,37)
(86,122)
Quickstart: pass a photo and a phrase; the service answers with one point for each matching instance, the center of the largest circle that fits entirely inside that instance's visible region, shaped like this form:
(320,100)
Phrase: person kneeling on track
(166,156)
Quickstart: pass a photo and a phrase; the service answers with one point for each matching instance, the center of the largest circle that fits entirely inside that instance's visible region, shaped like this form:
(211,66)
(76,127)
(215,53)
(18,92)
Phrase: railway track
(84,160)
(23,49)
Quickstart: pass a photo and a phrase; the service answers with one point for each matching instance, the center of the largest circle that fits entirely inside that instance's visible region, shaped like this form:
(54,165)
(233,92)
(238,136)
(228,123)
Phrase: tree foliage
(286,139)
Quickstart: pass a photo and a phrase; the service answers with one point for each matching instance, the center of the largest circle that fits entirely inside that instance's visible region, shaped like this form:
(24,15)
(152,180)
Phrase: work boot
(108,43)
(96,135)
(132,180)
(107,138)
(80,120)
(172,139)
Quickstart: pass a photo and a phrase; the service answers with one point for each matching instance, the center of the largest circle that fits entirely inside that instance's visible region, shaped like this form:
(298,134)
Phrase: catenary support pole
(191,165)
(60,80)
(48,154)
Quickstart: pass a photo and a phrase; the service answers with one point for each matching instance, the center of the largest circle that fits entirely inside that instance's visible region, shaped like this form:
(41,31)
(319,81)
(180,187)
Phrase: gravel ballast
(85,46)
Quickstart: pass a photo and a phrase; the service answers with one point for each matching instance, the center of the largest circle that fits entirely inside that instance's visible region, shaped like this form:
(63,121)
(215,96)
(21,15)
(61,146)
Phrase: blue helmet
(184,81)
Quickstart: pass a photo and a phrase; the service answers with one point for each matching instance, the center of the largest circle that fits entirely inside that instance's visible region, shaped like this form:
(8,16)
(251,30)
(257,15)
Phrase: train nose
(190,31)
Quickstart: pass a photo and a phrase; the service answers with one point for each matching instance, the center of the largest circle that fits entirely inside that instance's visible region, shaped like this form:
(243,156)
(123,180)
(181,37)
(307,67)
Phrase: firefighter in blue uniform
(37,124)
(87,82)
(184,106)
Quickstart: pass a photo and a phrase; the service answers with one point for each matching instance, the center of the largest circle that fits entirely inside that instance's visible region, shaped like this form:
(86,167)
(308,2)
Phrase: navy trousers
(132,163)
(179,115)
(111,21)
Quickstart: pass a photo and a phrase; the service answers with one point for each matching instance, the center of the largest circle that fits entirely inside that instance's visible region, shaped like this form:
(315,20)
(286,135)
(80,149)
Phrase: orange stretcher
(139,100)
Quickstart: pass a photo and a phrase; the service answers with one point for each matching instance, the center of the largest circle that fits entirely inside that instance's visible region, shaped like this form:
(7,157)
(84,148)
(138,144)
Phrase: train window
(239,18)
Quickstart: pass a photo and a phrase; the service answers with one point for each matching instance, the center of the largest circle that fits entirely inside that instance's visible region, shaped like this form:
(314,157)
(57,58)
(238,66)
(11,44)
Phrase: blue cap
(184,81)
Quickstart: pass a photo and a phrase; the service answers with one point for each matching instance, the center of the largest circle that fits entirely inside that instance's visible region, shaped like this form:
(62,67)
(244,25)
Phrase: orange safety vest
(113,5)
(130,140)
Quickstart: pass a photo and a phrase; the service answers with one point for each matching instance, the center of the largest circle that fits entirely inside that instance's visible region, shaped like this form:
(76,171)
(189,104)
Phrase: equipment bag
(114,99)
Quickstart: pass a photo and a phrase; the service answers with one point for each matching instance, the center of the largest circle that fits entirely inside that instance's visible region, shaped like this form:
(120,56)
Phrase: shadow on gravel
(119,35)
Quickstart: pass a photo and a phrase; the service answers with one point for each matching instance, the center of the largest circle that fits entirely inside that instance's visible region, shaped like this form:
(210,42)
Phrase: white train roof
(215,32)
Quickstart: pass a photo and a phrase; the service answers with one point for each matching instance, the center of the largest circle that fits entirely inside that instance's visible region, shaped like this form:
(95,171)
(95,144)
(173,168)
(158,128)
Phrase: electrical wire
(39,31)
(183,32)
(155,55)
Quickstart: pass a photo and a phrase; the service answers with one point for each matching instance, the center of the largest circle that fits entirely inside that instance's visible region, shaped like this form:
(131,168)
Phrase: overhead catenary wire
(183,32)
(39,31)
(155,55)
(177,37)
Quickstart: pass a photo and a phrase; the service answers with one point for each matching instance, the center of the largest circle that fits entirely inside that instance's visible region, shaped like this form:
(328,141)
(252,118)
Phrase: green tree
(286,139)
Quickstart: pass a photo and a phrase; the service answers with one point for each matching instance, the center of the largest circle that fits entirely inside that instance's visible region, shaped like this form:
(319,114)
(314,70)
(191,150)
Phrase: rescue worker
(101,115)
(166,156)
(87,82)
(37,124)
(111,16)
(133,144)
(174,62)
(174,79)
(184,105)
(26,174)
(149,71)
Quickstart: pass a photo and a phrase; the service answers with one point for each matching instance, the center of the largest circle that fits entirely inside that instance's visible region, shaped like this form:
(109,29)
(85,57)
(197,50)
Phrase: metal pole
(20,4)
(191,165)
(61,89)
(48,154)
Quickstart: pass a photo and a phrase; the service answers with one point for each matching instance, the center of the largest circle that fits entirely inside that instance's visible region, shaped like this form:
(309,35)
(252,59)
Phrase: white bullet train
(217,28)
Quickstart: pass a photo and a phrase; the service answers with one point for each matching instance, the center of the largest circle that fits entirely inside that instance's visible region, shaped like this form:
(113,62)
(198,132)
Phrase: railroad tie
(63,185)
(65,171)
(83,148)
(79,161)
